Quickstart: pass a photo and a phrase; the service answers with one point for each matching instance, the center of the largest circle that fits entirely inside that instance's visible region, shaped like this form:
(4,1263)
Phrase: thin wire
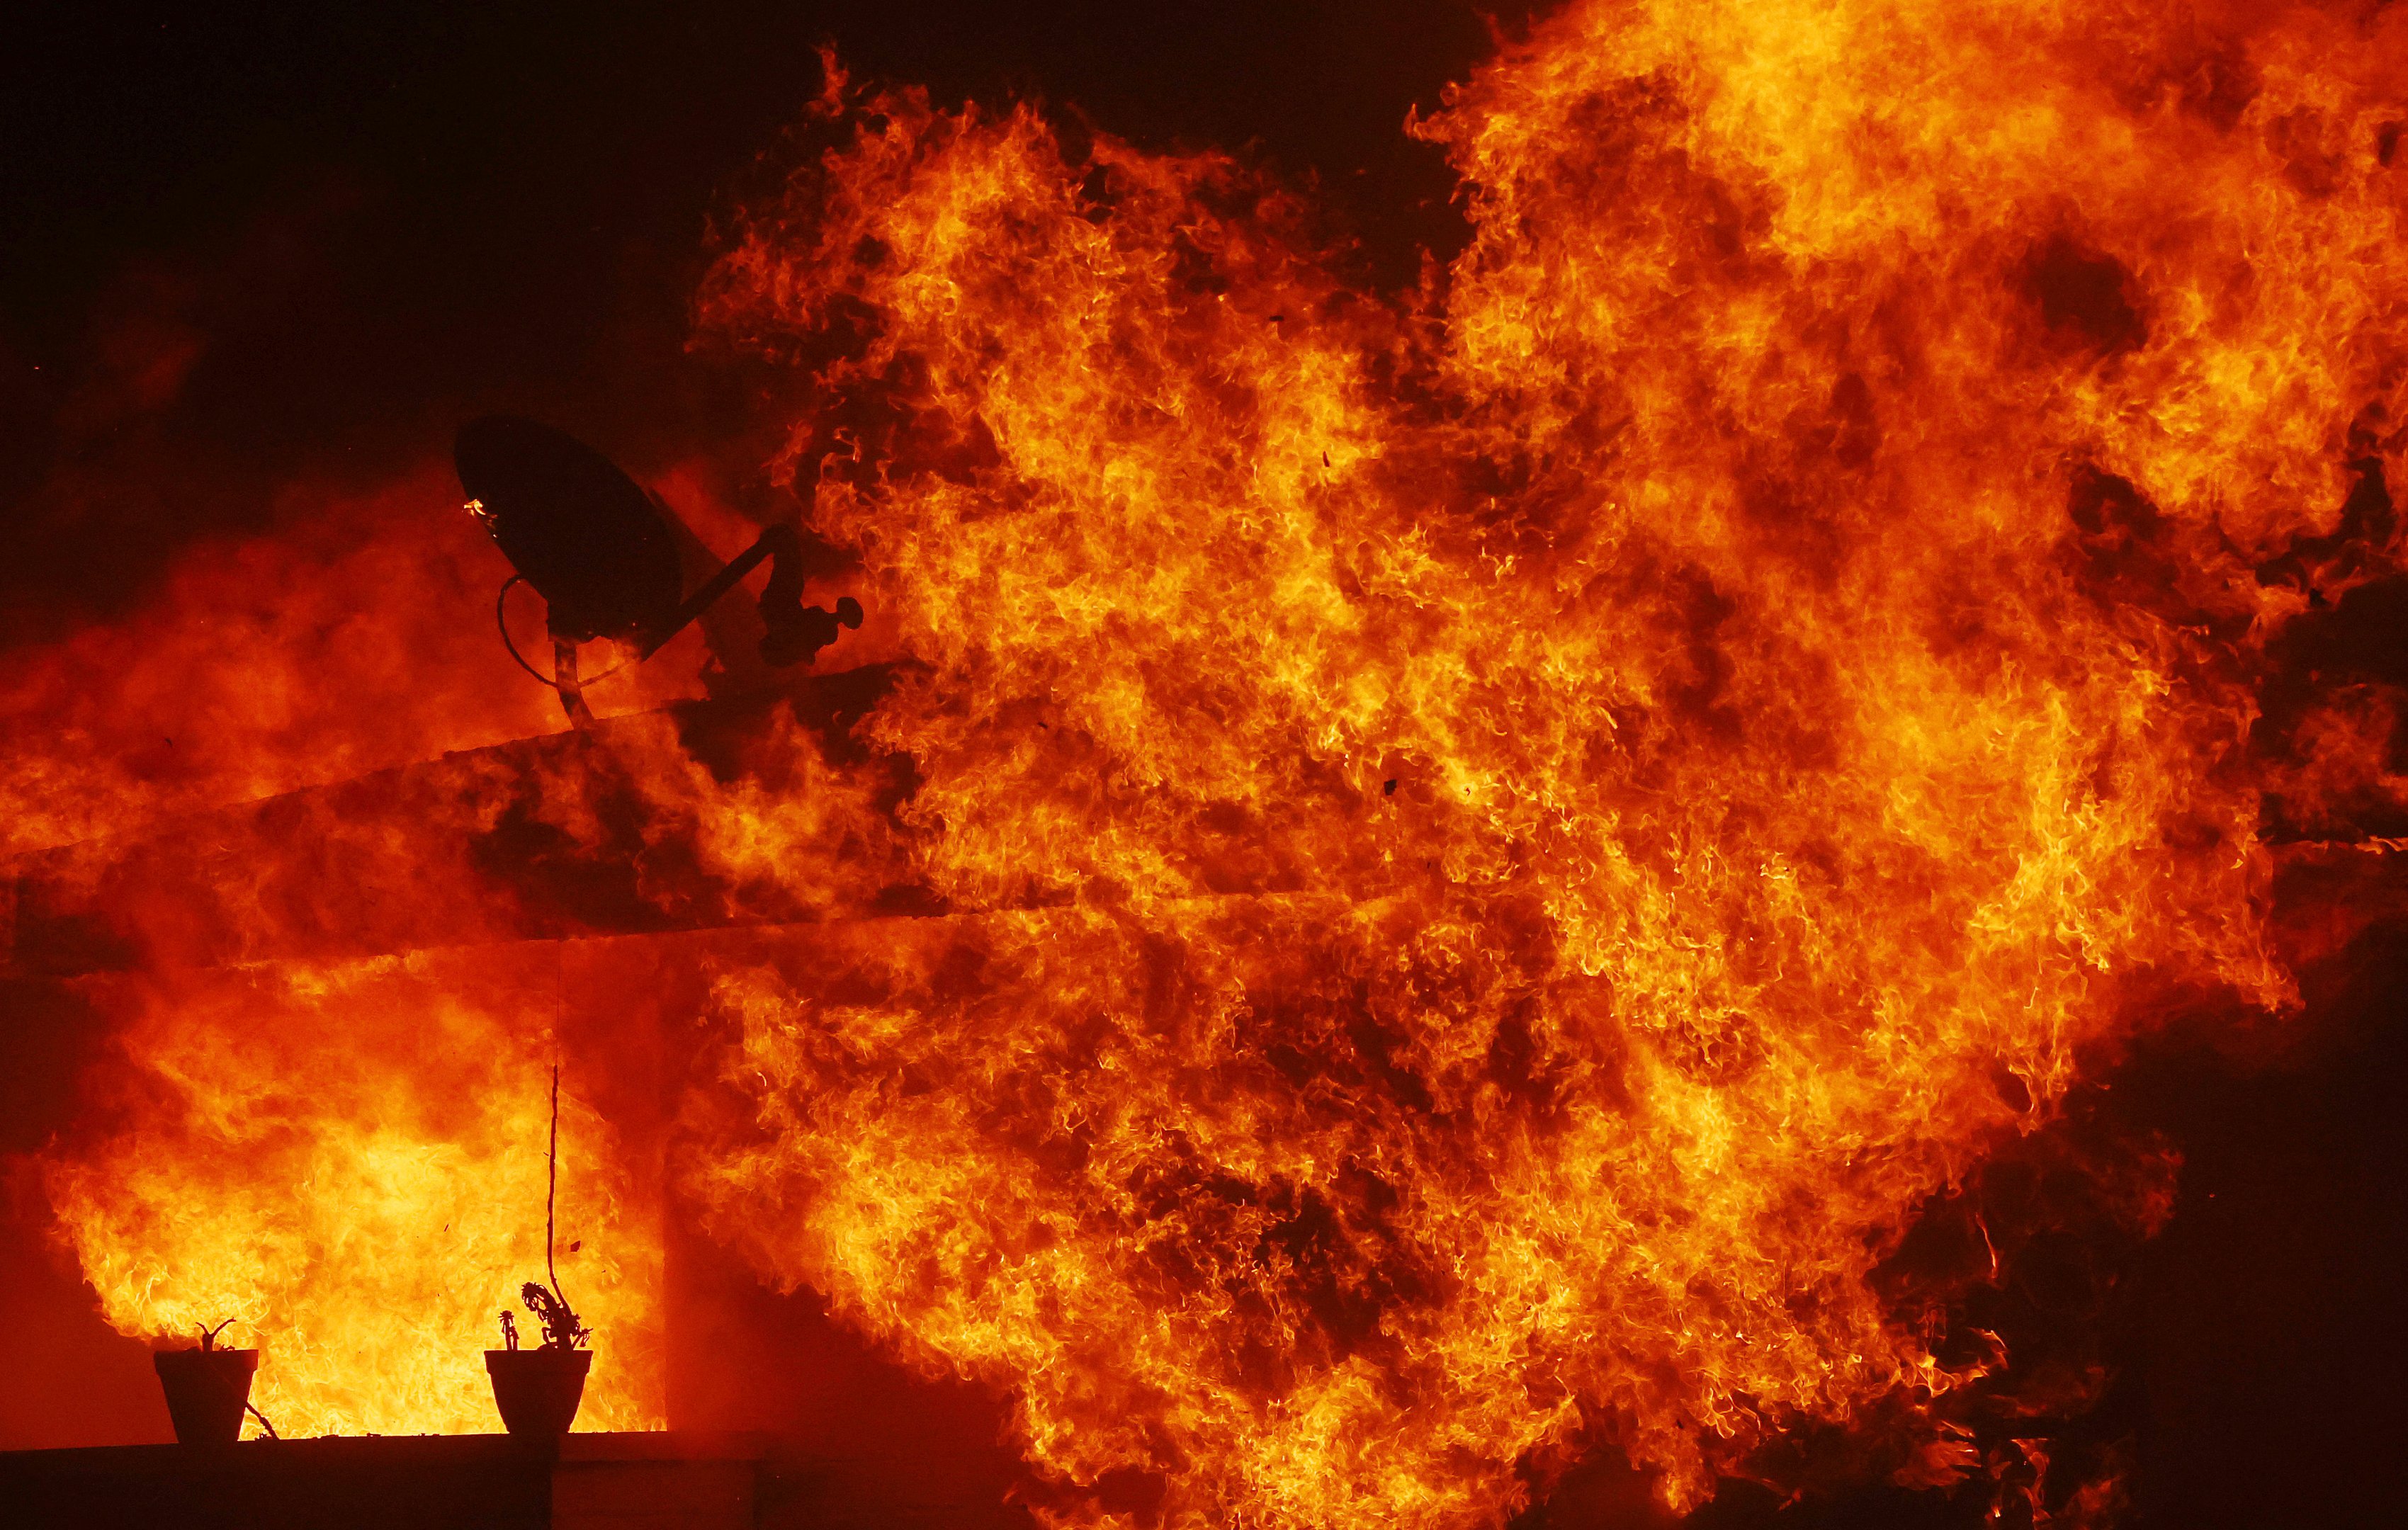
(551,1180)
(503,627)
(209,1335)
(500,601)
(239,1395)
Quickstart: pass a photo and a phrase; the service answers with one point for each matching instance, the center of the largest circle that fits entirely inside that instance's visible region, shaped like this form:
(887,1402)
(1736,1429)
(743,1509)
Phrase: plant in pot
(537,1390)
(208,1390)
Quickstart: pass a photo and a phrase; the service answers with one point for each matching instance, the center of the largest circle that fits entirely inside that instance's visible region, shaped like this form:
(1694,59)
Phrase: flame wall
(1761,651)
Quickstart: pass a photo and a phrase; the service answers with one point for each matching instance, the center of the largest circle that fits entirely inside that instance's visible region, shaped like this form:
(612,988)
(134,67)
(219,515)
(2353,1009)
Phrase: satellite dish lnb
(595,547)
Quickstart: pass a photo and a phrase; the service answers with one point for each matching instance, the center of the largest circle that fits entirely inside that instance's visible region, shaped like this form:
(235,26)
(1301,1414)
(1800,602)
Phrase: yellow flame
(350,1162)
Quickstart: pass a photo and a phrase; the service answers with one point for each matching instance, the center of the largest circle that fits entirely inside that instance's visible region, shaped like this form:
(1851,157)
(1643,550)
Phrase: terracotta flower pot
(539,1390)
(206,1390)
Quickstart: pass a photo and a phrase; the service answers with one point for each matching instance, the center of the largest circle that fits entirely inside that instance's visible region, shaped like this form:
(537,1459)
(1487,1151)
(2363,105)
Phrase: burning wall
(1498,867)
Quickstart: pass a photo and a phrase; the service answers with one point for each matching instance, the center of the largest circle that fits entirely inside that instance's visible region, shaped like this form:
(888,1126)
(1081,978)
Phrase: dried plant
(561,1327)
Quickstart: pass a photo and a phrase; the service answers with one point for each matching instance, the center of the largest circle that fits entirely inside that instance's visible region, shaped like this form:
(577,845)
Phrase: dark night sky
(371,220)
(377,217)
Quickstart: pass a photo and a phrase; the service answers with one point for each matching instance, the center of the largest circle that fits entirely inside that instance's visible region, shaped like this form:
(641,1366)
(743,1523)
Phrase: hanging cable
(501,624)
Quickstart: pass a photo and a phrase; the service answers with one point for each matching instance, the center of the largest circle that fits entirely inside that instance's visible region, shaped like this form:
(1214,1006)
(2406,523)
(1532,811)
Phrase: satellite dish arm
(797,631)
(565,680)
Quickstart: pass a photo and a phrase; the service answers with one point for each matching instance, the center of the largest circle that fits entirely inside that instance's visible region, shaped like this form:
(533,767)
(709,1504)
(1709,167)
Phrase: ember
(1429,885)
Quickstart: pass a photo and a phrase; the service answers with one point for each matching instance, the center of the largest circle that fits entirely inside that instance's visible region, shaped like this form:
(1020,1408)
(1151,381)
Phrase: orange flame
(1590,796)
(350,1162)
(359,639)
(1502,845)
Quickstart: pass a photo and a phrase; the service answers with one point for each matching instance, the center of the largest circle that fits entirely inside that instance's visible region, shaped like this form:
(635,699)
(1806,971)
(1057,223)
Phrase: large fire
(343,1161)
(1501,848)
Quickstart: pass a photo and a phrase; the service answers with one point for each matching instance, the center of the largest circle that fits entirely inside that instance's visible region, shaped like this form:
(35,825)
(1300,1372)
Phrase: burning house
(1540,890)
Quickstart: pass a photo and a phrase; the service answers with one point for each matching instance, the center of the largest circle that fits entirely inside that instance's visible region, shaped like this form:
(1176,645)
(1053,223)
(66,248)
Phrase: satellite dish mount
(598,550)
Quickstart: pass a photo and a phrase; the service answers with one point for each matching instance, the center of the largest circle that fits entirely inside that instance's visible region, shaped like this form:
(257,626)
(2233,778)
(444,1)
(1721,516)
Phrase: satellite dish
(573,525)
(595,546)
